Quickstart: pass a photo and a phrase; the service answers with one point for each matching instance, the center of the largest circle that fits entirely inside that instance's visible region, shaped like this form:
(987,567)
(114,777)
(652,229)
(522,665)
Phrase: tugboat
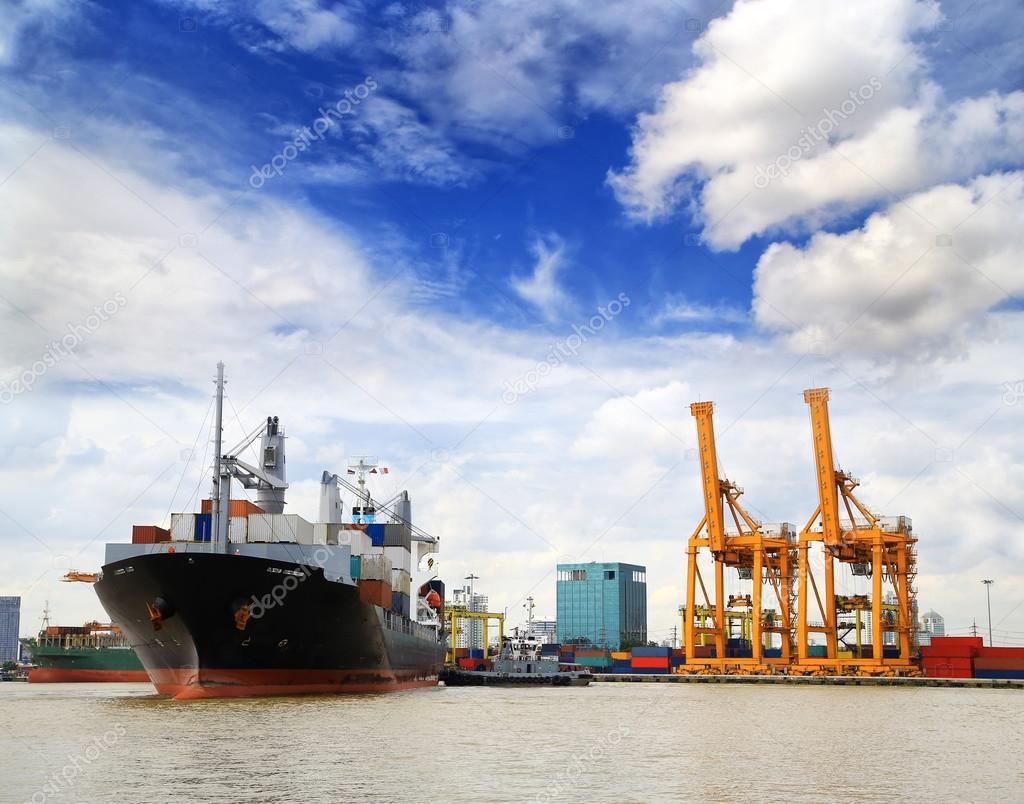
(519,663)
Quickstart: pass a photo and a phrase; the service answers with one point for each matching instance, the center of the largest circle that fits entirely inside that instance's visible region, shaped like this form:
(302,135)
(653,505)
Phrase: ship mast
(215,526)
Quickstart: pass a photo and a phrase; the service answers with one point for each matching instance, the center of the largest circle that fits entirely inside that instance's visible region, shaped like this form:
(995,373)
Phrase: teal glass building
(601,604)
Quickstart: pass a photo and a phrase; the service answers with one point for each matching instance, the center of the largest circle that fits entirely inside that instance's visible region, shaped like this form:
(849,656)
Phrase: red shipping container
(960,650)
(998,663)
(649,661)
(376,592)
(149,534)
(703,651)
(1002,653)
(236,507)
(948,668)
(949,674)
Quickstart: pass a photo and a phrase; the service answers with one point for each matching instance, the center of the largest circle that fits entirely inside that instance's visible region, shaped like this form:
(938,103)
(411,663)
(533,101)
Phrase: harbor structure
(10,624)
(602,604)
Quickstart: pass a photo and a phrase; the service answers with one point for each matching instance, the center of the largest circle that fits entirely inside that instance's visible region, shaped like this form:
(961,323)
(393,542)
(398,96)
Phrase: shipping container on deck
(149,534)
(238,529)
(549,649)
(376,592)
(400,603)
(183,527)
(204,527)
(401,581)
(235,508)
(476,653)
(461,653)
(375,568)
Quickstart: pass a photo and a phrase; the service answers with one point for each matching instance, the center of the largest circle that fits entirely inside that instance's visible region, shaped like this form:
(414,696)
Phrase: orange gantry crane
(760,553)
(880,549)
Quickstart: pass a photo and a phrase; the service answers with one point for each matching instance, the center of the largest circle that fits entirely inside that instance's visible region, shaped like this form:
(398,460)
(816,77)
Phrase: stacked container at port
(967,657)
(950,657)
(999,662)
(676,659)
(650,661)
(596,659)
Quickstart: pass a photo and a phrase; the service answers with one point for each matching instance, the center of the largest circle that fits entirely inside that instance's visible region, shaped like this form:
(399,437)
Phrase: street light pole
(988,593)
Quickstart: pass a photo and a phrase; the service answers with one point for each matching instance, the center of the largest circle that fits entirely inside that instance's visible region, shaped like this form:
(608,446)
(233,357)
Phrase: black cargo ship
(283,606)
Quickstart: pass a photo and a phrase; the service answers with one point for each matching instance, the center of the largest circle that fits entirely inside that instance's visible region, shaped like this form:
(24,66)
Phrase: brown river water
(609,742)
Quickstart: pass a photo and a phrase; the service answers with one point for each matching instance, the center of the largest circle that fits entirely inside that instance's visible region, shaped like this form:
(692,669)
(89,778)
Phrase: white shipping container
(238,529)
(400,557)
(357,539)
(375,568)
(401,581)
(280,528)
(183,527)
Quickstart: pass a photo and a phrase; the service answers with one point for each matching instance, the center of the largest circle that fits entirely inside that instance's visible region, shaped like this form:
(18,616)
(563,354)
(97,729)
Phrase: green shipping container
(594,661)
(354,567)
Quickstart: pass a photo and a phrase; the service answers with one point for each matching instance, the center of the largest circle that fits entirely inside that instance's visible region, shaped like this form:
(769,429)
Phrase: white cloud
(541,288)
(31,16)
(680,310)
(834,121)
(308,26)
(912,285)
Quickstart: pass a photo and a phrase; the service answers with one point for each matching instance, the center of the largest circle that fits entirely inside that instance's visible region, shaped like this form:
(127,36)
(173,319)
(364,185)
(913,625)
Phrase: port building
(10,624)
(602,604)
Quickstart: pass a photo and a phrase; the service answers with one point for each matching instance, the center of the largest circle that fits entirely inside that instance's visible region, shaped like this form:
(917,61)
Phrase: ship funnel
(330,499)
(272,462)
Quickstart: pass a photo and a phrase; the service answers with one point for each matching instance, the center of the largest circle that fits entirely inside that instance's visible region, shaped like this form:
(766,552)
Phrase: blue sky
(509,169)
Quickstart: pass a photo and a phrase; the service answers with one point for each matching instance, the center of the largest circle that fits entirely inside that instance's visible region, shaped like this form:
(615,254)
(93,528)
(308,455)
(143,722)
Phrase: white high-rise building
(546,631)
(471,632)
(932,625)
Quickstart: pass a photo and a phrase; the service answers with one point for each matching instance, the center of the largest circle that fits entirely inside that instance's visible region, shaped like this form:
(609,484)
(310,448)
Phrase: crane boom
(710,480)
(824,464)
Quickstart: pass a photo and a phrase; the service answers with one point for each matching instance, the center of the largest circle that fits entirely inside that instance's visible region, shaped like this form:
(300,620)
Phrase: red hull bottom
(187,684)
(53,675)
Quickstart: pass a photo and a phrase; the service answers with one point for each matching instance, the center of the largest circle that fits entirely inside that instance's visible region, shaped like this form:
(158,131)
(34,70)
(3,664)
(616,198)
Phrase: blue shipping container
(476,653)
(999,673)
(772,653)
(204,524)
(652,651)
(376,534)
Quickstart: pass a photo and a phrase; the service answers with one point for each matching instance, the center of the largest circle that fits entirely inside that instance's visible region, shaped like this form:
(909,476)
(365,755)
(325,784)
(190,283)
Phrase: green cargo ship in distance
(90,652)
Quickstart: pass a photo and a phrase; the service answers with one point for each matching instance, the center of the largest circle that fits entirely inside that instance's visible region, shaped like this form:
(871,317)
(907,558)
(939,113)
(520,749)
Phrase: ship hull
(64,675)
(86,664)
(192,620)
